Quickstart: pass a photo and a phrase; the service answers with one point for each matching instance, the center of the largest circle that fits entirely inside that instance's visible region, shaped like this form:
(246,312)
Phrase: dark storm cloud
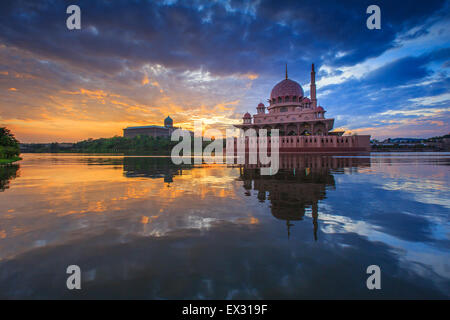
(390,86)
(179,55)
(398,72)
(405,70)
(332,26)
(222,37)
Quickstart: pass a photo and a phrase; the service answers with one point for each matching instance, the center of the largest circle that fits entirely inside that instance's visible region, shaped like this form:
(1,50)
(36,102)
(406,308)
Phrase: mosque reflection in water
(298,186)
(296,189)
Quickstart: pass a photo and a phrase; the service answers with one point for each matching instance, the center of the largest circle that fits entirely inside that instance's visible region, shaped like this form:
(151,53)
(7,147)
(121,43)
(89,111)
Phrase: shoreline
(407,150)
(162,155)
(9,161)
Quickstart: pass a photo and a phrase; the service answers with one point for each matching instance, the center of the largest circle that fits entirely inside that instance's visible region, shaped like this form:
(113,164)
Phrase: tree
(9,145)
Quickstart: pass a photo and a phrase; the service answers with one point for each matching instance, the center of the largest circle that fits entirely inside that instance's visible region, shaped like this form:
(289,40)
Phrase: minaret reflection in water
(301,182)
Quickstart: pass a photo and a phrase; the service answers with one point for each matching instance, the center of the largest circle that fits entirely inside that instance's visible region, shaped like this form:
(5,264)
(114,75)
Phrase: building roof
(146,127)
(285,88)
(247,115)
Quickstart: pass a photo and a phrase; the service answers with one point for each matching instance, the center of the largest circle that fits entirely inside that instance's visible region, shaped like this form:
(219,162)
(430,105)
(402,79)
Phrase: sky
(136,62)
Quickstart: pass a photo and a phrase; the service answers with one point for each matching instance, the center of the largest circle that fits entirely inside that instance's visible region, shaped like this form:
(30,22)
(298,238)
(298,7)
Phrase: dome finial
(286,71)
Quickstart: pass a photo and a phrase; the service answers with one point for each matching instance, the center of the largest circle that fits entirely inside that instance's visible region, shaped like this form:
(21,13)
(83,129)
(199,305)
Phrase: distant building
(153,131)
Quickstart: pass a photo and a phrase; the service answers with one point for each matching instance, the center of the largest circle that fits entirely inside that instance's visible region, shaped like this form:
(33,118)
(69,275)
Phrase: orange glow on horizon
(83,114)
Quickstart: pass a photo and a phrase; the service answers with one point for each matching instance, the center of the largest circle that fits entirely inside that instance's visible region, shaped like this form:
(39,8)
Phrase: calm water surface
(140,227)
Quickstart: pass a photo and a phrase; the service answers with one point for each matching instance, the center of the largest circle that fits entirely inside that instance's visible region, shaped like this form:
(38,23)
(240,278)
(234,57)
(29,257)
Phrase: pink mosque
(301,122)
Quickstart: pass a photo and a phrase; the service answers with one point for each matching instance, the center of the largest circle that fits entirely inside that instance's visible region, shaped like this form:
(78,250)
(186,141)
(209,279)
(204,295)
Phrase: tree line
(9,145)
(141,144)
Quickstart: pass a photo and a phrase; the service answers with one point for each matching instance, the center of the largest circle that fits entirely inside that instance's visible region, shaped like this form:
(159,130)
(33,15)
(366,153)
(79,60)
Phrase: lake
(141,227)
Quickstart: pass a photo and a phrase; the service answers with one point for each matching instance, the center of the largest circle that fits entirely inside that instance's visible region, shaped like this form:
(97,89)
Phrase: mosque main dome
(285,88)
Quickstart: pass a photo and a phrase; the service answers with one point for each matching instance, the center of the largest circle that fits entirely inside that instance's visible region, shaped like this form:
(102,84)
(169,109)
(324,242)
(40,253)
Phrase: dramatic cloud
(135,62)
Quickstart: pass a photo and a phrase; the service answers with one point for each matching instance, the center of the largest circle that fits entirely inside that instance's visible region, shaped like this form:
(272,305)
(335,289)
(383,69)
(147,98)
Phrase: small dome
(168,121)
(319,108)
(247,116)
(285,88)
(306,99)
(261,105)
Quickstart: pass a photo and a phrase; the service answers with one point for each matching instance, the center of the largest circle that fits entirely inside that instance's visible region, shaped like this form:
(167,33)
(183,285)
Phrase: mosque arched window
(286,99)
(279,99)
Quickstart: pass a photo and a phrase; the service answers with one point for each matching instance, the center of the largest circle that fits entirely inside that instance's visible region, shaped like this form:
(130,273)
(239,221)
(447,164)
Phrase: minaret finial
(313,86)
(286,71)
